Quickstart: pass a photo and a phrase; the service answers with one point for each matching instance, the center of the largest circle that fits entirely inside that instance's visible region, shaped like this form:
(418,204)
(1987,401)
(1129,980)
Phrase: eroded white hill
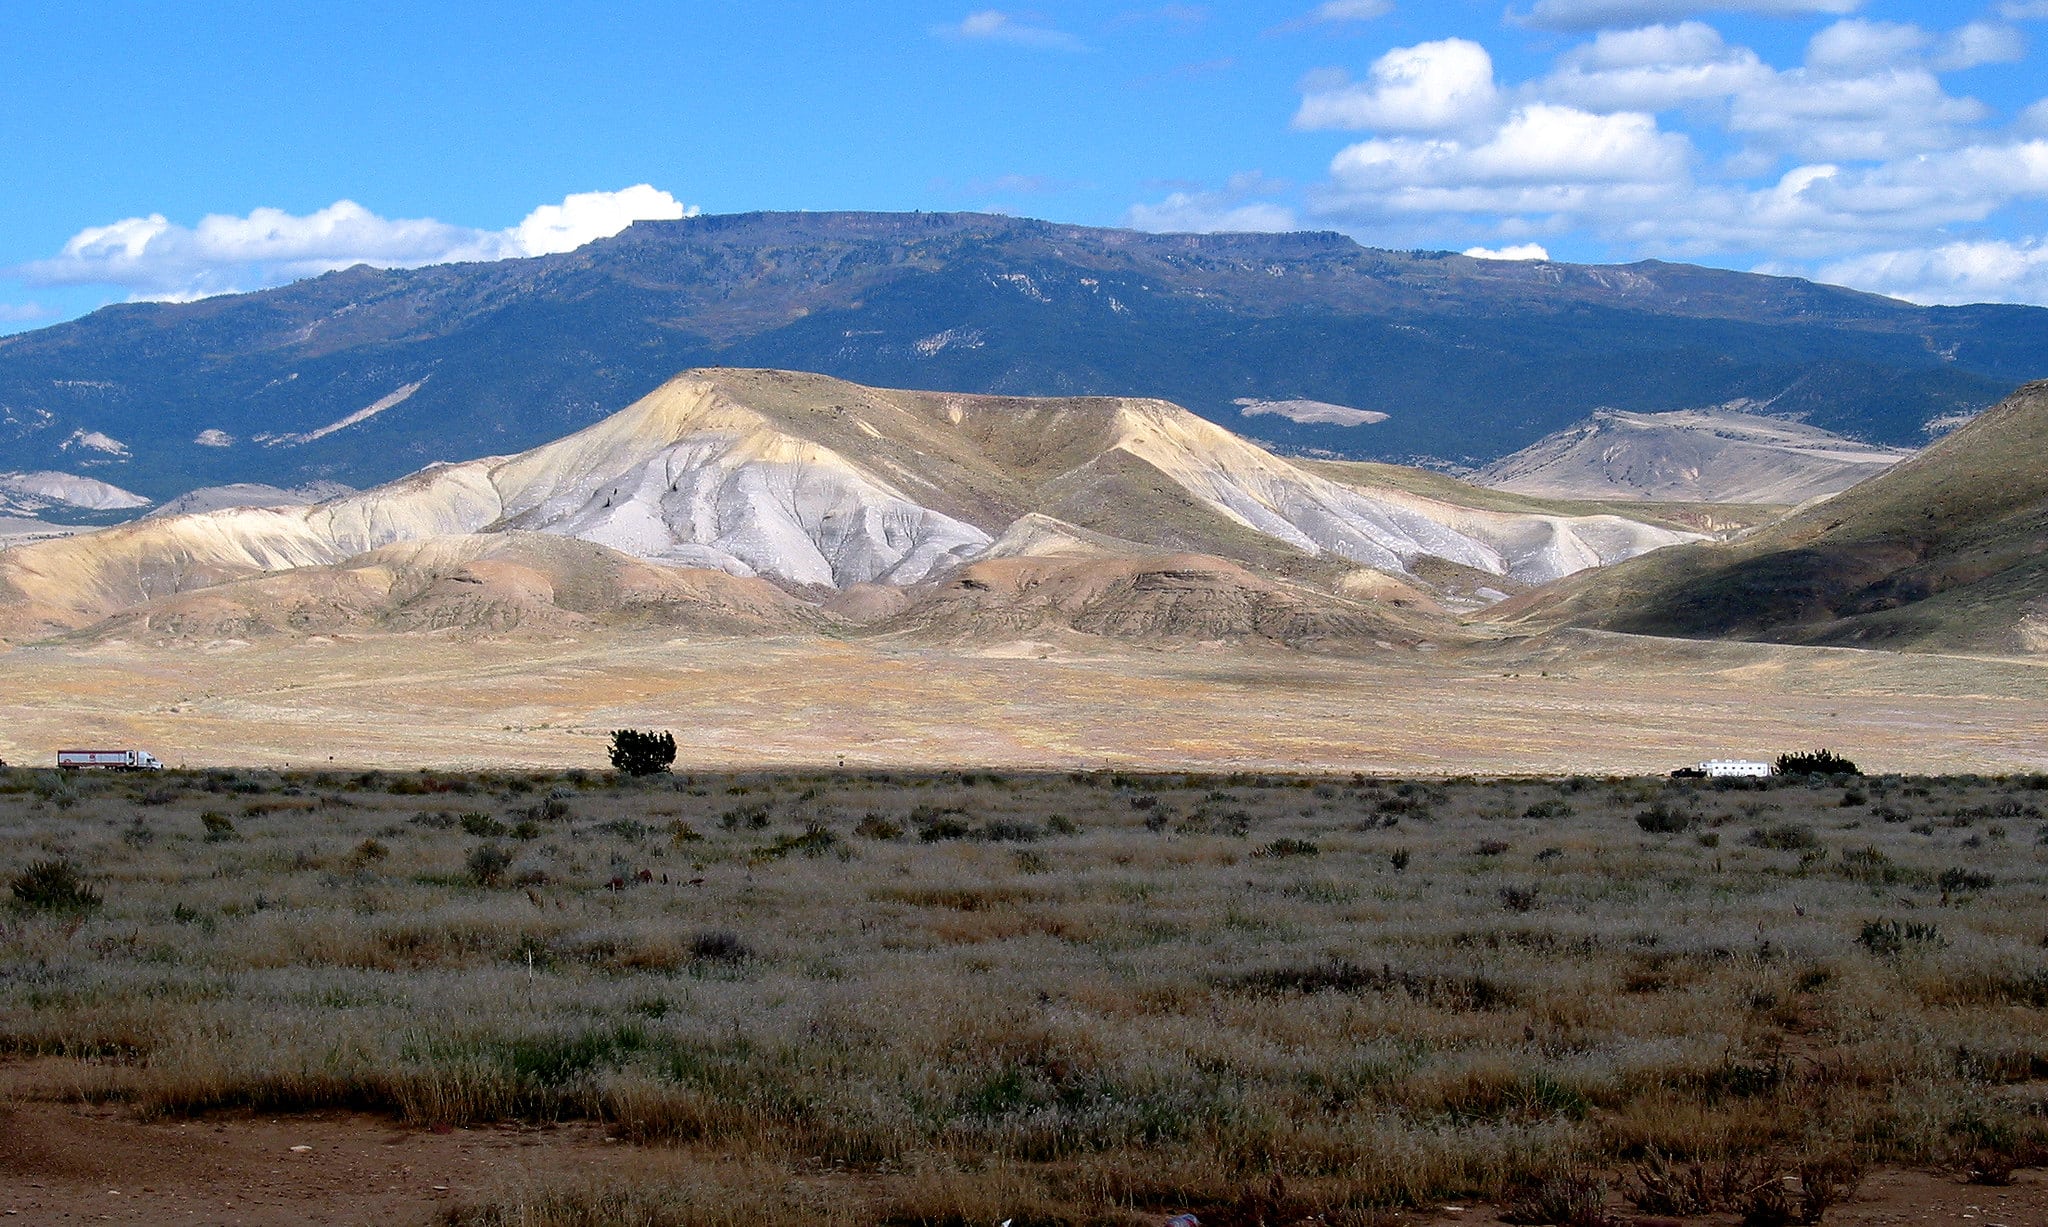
(25,494)
(1383,528)
(821,484)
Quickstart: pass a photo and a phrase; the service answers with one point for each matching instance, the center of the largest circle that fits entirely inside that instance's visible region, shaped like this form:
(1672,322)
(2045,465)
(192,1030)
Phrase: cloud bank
(1857,164)
(155,258)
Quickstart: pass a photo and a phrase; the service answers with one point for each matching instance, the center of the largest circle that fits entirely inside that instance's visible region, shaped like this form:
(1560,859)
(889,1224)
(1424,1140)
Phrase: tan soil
(1573,703)
(64,1164)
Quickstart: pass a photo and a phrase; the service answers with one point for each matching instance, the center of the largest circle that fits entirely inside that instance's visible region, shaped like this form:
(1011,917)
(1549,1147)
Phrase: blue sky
(170,150)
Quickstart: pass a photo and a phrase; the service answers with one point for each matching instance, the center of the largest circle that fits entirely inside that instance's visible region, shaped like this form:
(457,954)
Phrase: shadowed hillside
(1946,550)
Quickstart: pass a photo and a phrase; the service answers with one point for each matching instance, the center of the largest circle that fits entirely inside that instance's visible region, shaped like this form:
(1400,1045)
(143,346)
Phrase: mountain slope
(825,485)
(363,375)
(1703,456)
(1160,599)
(31,494)
(1948,549)
(497,584)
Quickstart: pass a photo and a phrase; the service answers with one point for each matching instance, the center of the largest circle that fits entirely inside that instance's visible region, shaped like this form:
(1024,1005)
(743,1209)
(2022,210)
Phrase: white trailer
(108,760)
(1735,768)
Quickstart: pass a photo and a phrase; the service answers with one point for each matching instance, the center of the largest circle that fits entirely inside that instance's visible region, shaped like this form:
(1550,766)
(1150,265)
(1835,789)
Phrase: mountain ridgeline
(362,375)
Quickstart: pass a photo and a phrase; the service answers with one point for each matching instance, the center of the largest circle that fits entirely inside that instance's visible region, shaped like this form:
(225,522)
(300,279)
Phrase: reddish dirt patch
(61,1164)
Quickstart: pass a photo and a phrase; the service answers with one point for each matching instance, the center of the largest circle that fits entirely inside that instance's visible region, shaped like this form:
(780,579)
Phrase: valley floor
(1566,703)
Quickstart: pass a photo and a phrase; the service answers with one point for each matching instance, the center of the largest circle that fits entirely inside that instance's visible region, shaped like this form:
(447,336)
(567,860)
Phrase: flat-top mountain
(817,491)
(1304,342)
(1948,549)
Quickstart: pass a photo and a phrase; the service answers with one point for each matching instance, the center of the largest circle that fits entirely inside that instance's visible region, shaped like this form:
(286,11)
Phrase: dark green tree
(1819,762)
(638,753)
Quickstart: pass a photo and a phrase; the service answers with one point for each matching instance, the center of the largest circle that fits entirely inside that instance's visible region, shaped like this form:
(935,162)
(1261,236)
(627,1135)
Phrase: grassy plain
(1567,702)
(869,996)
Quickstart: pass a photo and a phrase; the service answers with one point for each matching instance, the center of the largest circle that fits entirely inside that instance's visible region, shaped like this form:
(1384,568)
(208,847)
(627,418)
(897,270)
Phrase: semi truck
(110,760)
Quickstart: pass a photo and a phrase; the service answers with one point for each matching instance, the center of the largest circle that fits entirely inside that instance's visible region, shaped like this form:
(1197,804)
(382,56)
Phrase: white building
(1737,767)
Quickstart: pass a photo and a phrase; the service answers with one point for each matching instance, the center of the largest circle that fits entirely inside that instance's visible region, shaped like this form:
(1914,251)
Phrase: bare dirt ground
(1569,703)
(67,1164)
(73,1165)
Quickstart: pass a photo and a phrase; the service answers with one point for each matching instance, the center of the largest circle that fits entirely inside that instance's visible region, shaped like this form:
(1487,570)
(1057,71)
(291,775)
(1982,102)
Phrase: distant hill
(1700,456)
(1946,550)
(248,494)
(66,494)
(363,375)
(991,511)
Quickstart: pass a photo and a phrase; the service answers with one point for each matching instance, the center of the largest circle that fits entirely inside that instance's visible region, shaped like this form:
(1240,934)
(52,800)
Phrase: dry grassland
(1569,702)
(860,997)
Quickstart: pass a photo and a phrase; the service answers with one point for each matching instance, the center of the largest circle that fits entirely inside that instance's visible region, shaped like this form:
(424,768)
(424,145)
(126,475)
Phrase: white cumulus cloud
(1539,144)
(1653,68)
(1438,86)
(1855,163)
(586,216)
(155,258)
(1980,42)
(1887,113)
(1520,251)
(1828,211)
(1954,273)
(1860,46)
(1545,169)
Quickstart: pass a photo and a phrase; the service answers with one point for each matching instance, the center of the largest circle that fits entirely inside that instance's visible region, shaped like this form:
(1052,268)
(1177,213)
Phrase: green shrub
(1570,1199)
(1815,762)
(482,825)
(1011,831)
(719,946)
(1283,848)
(1661,819)
(53,886)
(638,753)
(815,842)
(1888,938)
(875,826)
(488,863)
(1957,880)
(1783,837)
(753,817)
